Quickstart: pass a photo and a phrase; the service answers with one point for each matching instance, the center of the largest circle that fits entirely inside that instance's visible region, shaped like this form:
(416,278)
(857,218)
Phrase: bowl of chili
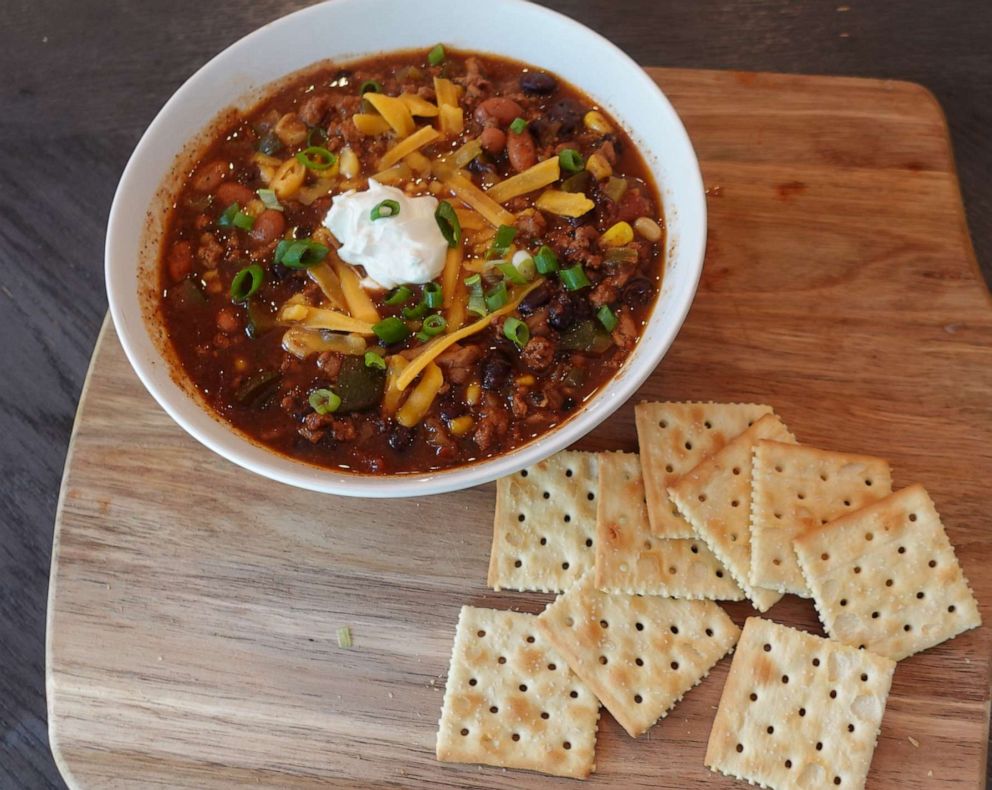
(409,256)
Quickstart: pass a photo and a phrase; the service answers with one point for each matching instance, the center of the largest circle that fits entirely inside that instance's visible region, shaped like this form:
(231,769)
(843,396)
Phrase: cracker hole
(800,496)
(639,626)
(663,424)
(777,561)
(573,694)
(552,667)
(768,647)
(472,681)
(674,629)
(669,468)
(819,746)
(638,699)
(674,665)
(823,521)
(952,608)
(850,728)
(740,748)
(564,566)
(867,483)
(824,477)
(568,518)
(932,563)
(816,662)
(494,709)
(843,601)
(603,624)
(530,640)
(521,518)
(569,473)
(734,503)
(569,622)
(874,615)
(695,549)
(754,697)
(864,677)
(833,693)
(522,687)
(709,632)
(590,496)
(702,497)
(912,517)
(639,662)
(824,556)
(770,730)
(907,628)
(920,595)
(545,714)
(778,516)
(785,678)
(566,745)
(733,537)
(889,582)
(857,569)
(501,660)
(688,445)
(464,731)
(480,634)
(836,780)
(708,425)
(604,660)
(847,503)
(869,536)
(517,564)
(647,545)
(544,541)
(516,736)
(737,470)
(547,495)
(778,467)
(523,473)
(802,711)
(788,763)
(902,549)
(588,543)
(719,574)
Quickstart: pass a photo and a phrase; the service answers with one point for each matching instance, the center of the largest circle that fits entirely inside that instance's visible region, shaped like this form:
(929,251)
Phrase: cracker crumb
(913,741)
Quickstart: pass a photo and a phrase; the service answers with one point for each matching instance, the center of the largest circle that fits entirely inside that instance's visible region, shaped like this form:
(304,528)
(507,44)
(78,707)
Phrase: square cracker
(511,700)
(545,524)
(886,577)
(675,437)
(638,655)
(795,488)
(715,497)
(798,710)
(629,559)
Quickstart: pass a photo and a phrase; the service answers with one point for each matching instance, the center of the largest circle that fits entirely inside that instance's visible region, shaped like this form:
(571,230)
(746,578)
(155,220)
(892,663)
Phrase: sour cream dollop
(407,247)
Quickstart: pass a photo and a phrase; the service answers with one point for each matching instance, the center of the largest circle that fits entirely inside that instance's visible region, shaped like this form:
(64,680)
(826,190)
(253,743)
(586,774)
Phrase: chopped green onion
(434,324)
(269,199)
(574,278)
(324,401)
(436,56)
(243,221)
(398,296)
(226,219)
(387,208)
(510,273)
(391,330)
(447,220)
(546,260)
(518,126)
(269,143)
(344,637)
(300,253)
(571,160)
(517,331)
(315,131)
(497,297)
(523,262)
(373,360)
(316,158)
(369,86)
(615,188)
(246,283)
(433,296)
(607,318)
(476,298)
(417,311)
(501,241)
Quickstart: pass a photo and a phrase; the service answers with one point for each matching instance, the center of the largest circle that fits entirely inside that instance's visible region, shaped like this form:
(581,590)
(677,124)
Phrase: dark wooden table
(79,81)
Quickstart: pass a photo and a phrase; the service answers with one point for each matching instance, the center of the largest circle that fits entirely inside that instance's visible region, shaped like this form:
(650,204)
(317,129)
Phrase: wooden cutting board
(194,606)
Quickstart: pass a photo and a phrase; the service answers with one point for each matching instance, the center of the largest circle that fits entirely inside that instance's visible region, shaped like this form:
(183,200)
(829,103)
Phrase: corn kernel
(349,163)
(461,425)
(597,122)
(648,228)
(527,380)
(617,236)
(600,168)
(472,393)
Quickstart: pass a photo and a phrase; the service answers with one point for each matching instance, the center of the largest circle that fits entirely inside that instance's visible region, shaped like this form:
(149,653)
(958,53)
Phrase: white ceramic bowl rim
(525,32)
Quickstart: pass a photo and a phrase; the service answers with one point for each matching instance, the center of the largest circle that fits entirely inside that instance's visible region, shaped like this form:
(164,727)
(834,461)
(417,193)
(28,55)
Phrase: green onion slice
(246,283)
(516,331)
(511,273)
(243,221)
(546,260)
(391,330)
(387,208)
(524,264)
(447,221)
(398,296)
(436,56)
(501,241)
(315,157)
(370,86)
(269,199)
(518,126)
(324,401)
(571,160)
(497,297)
(433,296)
(373,360)
(574,278)
(607,318)
(226,219)
(434,324)
(476,298)
(417,311)
(300,253)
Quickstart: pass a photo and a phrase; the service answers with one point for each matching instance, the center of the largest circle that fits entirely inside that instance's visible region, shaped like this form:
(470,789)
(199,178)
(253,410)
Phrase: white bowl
(342,30)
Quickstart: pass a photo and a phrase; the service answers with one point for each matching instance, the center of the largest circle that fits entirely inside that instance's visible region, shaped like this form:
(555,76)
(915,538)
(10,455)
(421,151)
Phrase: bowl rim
(243,451)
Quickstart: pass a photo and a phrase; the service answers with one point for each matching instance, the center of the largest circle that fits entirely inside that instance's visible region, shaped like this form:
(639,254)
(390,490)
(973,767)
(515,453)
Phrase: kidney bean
(210,176)
(493,140)
(498,110)
(232,192)
(496,369)
(269,226)
(521,150)
(537,82)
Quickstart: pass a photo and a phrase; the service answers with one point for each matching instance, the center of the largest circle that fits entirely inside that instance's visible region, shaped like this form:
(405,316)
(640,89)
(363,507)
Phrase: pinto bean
(521,150)
(232,192)
(493,140)
(180,261)
(269,226)
(498,110)
(209,177)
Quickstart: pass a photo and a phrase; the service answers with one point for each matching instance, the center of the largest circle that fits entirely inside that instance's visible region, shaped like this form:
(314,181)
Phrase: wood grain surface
(194,606)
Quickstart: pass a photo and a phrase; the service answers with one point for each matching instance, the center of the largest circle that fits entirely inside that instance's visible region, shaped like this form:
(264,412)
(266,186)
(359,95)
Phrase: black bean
(496,369)
(561,312)
(535,299)
(537,82)
(583,309)
(638,291)
(568,113)
(451,408)
(401,437)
